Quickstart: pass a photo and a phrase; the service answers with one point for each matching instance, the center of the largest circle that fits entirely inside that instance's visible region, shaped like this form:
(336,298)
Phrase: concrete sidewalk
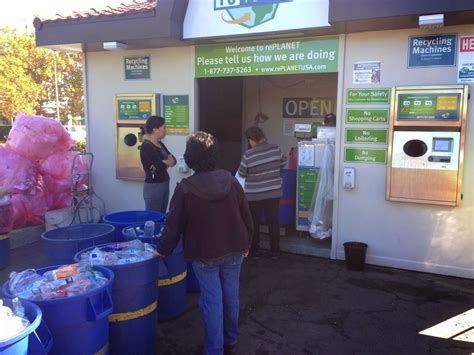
(308,305)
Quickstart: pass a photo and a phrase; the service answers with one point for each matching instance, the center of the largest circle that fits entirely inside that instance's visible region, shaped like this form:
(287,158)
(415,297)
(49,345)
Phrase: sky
(20,14)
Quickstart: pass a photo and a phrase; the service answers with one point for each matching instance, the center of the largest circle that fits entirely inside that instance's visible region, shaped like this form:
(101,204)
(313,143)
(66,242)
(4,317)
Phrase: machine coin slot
(439,159)
(130,139)
(415,148)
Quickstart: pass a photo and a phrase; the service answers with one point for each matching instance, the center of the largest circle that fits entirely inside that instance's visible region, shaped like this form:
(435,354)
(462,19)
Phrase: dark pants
(270,206)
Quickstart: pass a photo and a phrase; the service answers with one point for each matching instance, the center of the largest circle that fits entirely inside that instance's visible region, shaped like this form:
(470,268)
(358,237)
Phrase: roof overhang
(377,15)
(161,26)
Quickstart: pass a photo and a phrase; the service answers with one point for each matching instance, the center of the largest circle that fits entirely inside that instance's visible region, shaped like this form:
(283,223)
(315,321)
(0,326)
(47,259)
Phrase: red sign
(467,44)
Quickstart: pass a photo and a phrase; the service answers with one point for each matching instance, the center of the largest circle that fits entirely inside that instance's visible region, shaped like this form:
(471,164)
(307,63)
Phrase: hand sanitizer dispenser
(182,166)
(348,180)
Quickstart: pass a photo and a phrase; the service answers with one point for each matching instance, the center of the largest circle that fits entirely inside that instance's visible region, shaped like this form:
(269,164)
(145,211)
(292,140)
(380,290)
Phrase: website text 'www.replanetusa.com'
(297,68)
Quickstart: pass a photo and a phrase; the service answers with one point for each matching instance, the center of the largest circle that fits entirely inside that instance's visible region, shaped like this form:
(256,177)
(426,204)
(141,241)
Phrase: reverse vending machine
(426,144)
(131,113)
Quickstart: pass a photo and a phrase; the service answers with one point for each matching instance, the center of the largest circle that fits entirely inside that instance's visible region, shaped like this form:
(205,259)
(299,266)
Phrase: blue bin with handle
(172,284)
(4,251)
(79,324)
(34,339)
(61,244)
(126,218)
(135,299)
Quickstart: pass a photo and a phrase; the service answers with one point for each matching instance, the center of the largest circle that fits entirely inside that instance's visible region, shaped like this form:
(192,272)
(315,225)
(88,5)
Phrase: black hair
(153,122)
(330,119)
(255,133)
(202,151)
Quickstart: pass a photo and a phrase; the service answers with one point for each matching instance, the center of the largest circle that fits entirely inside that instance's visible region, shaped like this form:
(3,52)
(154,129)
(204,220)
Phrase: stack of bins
(34,339)
(124,219)
(61,244)
(172,282)
(78,324)
(133,323)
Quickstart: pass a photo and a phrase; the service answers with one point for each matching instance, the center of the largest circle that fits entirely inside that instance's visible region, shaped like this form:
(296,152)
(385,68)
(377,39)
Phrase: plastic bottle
(149,229)
(18,308)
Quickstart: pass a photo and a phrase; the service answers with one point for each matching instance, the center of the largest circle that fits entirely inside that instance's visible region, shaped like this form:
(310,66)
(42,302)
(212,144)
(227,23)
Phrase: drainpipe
(86,97)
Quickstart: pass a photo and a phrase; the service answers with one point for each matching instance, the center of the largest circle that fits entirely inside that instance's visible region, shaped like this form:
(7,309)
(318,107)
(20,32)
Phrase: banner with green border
(290,56)
(365,155)
(368,96)
(367,115)
(366,136)
(176,113)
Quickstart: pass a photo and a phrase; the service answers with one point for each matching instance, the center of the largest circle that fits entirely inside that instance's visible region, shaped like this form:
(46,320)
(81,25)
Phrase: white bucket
(58,218)
(65,217)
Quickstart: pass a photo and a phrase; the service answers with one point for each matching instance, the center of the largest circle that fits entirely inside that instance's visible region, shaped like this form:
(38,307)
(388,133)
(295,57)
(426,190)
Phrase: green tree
(27,79)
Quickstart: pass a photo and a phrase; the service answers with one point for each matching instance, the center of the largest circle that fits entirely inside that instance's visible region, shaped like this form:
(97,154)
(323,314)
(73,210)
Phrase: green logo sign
(294,56)
(361,115)
(439,107)
(371,136)
(176,112)
(248,13)
(372,96)
(365,155)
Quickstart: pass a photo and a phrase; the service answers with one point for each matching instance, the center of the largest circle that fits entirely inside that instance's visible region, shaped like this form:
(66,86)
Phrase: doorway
(220,113)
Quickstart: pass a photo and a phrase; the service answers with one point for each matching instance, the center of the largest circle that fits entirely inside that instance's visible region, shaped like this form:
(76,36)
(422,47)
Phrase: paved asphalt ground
(307,305)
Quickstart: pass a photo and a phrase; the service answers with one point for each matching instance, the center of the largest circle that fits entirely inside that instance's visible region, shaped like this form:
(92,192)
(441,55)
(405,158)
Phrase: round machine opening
(130,139)
(415,148)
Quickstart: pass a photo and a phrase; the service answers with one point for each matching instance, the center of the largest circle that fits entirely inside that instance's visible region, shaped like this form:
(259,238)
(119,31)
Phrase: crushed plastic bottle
(149,229)
(119,253)
(65,281)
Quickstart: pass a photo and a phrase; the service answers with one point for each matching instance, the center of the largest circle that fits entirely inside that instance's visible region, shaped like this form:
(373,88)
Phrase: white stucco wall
(413,236)
(172,72)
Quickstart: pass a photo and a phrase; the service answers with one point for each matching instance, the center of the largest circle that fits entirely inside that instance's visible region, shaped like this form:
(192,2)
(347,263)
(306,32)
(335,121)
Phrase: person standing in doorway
(330,120)
(260,166)
(210,210)
(156,159)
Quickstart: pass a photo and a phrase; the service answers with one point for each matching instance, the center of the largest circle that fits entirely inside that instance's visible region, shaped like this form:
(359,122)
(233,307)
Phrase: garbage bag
(28,208)
(36,137)
(17,174)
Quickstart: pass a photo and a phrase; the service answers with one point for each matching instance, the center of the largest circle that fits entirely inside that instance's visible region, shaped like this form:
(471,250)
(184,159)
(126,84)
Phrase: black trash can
(355,255)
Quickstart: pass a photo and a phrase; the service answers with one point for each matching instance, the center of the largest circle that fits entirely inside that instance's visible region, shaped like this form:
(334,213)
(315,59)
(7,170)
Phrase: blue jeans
(156,196)
(219,301)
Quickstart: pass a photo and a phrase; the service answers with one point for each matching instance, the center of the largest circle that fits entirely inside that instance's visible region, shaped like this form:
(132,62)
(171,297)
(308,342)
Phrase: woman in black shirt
(156,159)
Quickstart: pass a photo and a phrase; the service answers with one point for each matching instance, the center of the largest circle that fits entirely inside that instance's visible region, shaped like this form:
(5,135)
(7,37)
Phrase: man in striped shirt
(260,166)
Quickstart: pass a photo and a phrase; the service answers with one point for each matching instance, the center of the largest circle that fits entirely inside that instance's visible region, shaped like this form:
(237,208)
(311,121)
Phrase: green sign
(292,56)
(134,109)
(307,179)
(429,107)
(176,112)
(362,115)
(365,155)
(137,67)
(368,96)
(369,135)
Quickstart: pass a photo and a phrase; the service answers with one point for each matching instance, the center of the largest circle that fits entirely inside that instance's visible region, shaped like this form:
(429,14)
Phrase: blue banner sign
(432,51)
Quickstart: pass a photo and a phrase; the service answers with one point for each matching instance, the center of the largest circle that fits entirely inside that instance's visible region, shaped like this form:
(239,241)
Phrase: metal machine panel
(128,164)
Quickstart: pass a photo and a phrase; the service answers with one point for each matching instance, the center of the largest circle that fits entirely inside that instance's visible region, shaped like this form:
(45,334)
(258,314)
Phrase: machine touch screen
(442,145)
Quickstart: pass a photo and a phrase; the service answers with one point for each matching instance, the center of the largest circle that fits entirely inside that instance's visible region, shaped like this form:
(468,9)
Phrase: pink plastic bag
(56,173)
(57,192)
(28,209)
(17,174)
(36,137)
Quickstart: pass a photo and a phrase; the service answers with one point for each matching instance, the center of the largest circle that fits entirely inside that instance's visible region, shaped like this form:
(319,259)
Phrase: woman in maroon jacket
(211,211)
